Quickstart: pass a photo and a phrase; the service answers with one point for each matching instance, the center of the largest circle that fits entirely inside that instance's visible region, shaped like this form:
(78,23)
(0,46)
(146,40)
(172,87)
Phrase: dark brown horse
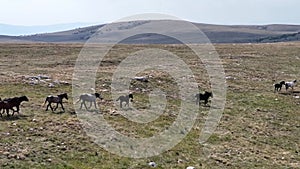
(203,97)
(9,103)
(55,99)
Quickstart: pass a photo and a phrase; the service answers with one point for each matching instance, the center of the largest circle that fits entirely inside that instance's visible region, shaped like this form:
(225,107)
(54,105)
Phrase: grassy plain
(258,129)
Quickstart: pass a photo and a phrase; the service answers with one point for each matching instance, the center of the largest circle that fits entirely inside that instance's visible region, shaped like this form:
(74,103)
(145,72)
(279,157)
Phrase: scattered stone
(51,85)
(6,153)
(190,167)
(141,79)
(180,161)
(152,164)
(20,157)
(43,77)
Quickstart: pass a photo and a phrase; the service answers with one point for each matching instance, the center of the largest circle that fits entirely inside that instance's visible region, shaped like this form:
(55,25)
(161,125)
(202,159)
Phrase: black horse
(125,99)
(5,106)
(89,98)
(204,97)
(278,86)
(56,99)
(9,103)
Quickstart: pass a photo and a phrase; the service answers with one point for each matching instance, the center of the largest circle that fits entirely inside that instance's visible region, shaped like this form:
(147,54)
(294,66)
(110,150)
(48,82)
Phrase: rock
(20,157)
(51,85)
(190,167)
(179,161)
(141,79)
(43,77)
(152,164)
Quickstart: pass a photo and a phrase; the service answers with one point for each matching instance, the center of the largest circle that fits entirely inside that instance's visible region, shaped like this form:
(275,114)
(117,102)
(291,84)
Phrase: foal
(56,99)
(204,97)
(5,106)
(278,86)
(125,99)
(89,98)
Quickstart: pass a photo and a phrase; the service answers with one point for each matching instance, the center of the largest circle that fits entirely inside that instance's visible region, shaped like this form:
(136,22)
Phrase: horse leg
(61,106)
(90,105)
(56,106)
(18,109)
(95,104)
(13,111)
(206,101)
(81,105)
(120,104)
(47,107)
(7,112)
(50,107)
(85,105)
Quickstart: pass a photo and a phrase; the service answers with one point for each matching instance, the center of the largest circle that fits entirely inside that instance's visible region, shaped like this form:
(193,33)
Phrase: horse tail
(45,101)
(78,99)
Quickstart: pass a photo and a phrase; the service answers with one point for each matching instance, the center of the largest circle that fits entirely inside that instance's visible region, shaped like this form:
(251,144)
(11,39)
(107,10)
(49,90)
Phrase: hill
(216,34)
(20,30)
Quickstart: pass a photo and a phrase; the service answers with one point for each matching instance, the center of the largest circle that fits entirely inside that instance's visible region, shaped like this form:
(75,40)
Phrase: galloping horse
(9,103)
(55,99)
(204,97)
(89,98)
(125,99)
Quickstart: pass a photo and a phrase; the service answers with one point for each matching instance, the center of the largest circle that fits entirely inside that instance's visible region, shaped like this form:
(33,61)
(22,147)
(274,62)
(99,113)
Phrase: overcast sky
(47,12)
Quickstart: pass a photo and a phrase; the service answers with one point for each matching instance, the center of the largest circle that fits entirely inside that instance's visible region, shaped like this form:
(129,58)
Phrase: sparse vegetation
(259,128)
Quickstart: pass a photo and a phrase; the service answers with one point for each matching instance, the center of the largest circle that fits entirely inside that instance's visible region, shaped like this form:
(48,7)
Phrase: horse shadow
(290,92)
(14,117)
(58,112)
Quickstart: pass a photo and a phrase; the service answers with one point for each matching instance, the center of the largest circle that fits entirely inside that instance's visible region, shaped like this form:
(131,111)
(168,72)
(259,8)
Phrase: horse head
(64,95)
(98,96)
(24,98)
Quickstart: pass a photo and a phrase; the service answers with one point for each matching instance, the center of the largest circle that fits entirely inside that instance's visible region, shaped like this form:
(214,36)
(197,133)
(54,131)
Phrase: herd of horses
(278,86)
(10,103)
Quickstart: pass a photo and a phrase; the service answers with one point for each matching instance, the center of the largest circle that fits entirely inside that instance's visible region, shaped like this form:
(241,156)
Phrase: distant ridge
(20,30)
(216,34)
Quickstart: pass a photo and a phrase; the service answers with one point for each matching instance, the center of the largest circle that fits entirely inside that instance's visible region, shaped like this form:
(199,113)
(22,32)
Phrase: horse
(89,98)
(5,106)
(125,99)
(290,85)
(204,97)
(55,99)
(278,86)
(9,103)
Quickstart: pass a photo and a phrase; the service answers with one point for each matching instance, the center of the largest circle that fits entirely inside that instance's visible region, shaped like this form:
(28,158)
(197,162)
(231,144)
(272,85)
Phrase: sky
(228,12)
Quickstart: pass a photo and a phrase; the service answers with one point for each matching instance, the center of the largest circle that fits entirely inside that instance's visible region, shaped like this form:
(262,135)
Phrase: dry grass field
(258,129)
